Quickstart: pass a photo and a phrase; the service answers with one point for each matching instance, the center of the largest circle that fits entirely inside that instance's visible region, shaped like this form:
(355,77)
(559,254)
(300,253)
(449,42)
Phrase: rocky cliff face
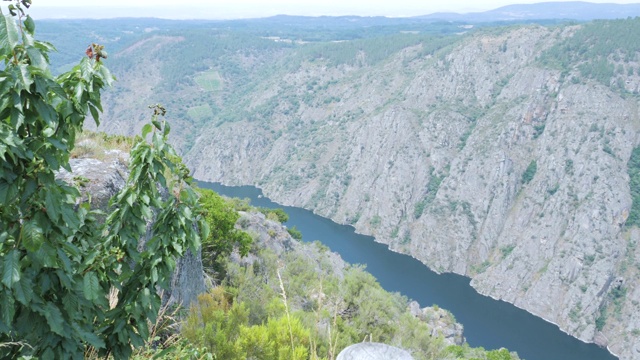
(500,155)
(429,150)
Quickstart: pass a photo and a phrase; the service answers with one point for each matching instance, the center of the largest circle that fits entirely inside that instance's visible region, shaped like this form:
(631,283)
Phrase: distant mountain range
(570,10)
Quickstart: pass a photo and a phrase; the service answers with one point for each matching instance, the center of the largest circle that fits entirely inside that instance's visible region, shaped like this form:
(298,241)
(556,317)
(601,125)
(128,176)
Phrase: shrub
(223,237)
(530,172)
(295,233)
(633,169)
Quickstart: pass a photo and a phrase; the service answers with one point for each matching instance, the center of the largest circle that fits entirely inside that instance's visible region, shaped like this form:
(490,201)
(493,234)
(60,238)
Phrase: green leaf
(91,286)
(52,202)
(64,279)
(58,144)
(47,255)
(29,188)
(70,218)
(146,129)
(146,212)
(7,192)
(106,75)
(32,235)
(51,160)
(24,290)
(130,199)
(48,354)
(54,319)
(45,46)
(12,10)
(95,114)
(30,25)
(9,35)
(86,69)
(78,92)
(17,117)
(205,230)
(8,309)
(38,60)
(47,112)
(11,268)
(24,76)
(91,338)
(187,213)
(66,262)
(55,88)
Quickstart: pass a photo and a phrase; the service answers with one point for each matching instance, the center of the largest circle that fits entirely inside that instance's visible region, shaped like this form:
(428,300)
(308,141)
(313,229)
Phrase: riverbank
(488,322)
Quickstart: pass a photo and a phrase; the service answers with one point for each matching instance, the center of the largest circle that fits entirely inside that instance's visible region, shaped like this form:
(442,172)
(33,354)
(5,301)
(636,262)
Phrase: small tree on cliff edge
(57,264)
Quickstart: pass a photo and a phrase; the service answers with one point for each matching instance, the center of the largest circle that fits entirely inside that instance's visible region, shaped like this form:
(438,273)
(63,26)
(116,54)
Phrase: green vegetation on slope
(298,304)
(529,172)
(633,168)
(597,49)
(370,51)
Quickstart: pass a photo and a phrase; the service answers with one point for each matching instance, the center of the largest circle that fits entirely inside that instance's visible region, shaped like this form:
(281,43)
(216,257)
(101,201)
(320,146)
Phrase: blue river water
(489,323)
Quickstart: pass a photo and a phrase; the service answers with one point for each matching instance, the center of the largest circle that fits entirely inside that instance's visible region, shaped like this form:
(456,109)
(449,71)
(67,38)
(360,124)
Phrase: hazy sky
(261,8)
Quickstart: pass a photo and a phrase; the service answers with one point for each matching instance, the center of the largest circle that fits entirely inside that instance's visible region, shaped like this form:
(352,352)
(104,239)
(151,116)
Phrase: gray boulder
(373,351)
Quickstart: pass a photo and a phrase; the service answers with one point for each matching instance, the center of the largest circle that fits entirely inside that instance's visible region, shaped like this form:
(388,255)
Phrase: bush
(295,233)
(275,214)
(221,216)
(221,324)
(633,169)
(530,172)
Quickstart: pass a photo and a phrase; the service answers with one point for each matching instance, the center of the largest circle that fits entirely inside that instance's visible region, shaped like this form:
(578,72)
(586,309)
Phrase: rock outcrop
(373,351)
(428,153)
(99,180)
(441,322)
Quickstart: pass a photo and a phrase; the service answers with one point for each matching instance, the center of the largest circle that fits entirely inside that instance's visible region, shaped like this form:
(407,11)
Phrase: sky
(226,9)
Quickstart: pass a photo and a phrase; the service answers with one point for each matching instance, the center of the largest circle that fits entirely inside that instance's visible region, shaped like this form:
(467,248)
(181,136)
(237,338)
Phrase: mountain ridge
(567,10)
(500,154)
(573,10)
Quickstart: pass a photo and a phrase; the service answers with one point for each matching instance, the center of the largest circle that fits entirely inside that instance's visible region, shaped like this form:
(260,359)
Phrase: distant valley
(506,152)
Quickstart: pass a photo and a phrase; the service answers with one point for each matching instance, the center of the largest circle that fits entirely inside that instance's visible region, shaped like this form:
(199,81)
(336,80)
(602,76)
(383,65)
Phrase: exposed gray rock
(187,281)
(98,181)
(274,236)
(469,120)
(441,322)
(373,351)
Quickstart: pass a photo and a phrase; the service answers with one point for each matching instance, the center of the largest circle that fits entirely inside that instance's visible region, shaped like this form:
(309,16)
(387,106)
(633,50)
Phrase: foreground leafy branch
(57,262)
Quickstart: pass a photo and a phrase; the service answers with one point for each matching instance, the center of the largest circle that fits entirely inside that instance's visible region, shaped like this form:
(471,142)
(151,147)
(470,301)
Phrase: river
(489,323)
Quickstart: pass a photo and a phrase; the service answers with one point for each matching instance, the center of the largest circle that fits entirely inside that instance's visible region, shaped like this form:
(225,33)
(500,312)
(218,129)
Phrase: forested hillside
(497,152)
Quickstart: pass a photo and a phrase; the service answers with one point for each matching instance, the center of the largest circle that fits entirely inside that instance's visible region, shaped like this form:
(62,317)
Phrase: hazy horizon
(202,9)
